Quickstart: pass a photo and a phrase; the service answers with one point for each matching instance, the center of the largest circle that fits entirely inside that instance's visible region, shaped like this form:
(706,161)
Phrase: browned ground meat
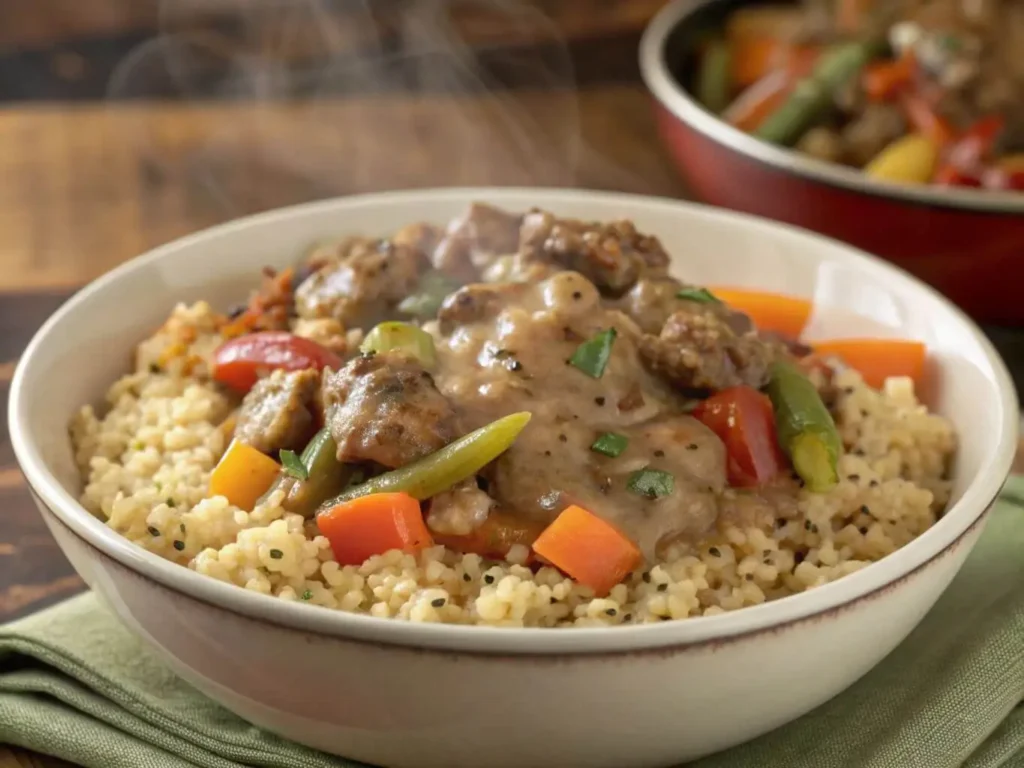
(699,352)
(475,239)
(611,255)
(280,412)
(385,409)
(363,284)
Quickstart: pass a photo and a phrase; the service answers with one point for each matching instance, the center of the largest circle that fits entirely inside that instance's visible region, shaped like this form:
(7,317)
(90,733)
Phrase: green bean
(442,469)
(428,297)
(405,337)
(814,95)
(804,427)
(713,77)
(325,477)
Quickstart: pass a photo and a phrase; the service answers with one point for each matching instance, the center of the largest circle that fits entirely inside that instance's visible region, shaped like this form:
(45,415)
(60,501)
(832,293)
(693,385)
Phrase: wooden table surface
(89,182)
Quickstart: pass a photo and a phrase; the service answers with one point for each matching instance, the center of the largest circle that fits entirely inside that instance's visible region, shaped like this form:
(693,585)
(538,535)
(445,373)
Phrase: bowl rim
(517,641)
(670,94)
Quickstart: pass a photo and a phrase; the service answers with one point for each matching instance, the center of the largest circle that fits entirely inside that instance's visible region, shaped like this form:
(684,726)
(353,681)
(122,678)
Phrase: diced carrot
(755,58)
(884,79)
(785,315)
(590,550)
(878,359)
(494,537)
(243,475)
(372,525)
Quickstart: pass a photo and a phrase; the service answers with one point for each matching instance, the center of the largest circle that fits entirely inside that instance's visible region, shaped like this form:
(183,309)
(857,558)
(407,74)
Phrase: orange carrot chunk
(243,475)
(878,359)
(590,550)
(786,315)
(372,525)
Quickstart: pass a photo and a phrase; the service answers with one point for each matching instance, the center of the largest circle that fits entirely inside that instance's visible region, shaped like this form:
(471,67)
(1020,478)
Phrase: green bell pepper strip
(442,469)
(325,477)
(804,427)
(397,336)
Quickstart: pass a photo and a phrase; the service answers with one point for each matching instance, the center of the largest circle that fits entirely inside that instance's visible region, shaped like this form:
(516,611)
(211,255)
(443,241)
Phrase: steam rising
(427,113)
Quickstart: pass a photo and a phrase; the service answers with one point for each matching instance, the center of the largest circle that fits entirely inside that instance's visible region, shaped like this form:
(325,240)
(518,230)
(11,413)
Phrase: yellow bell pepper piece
(243,475)
(910,159)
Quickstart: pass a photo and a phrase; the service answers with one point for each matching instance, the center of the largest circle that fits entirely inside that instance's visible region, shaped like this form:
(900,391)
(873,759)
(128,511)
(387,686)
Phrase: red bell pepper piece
(743,419)
(240,362)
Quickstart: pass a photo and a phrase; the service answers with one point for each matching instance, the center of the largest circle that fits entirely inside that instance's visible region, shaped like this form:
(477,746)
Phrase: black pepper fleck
(662,587)
(276,554)
(611,611)
(848,390)
(181,527)
(715,552)
(798,558)
(865,509)
(563,439)
(864,530)
(515,365)
(552,600)
(780,522)
(153,531)
(488,579)
(547,453)
(171,503)
(873,483)
(466,577)
(627,617)
(154,368)
(577,295)
(749,577)
(814,528)
(659,453)
(692,447)
(438,602)
(599,400)
(854,478)
(646,576)
(807,525)
(179,545)
(766,553)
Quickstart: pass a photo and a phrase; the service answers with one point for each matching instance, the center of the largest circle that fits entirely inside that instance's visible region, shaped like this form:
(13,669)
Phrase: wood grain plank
(88,187)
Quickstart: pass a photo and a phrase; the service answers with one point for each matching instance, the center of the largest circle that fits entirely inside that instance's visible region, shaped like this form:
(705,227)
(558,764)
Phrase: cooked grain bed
(147,462)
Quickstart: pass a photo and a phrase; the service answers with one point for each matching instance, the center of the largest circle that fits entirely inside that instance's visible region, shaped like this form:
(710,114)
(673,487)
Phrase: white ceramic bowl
(401,694)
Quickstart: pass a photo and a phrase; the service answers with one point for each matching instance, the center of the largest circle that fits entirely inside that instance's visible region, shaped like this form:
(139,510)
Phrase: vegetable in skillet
(713,77)
(813,95)
(910,159)
(804,427)
(442,469)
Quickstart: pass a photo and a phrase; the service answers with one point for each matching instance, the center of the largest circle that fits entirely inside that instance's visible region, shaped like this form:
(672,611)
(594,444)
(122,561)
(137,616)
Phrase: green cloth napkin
(75,684)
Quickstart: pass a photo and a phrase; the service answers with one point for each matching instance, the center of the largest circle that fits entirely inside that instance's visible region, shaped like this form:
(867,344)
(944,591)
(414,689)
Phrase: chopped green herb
(610,444)
(153,531)
(592,355)
(701,295)
(181,526)
(652,483)
(293,465)
(307,595)
(170,502)
(276,554)
(428,297)
(179,544)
